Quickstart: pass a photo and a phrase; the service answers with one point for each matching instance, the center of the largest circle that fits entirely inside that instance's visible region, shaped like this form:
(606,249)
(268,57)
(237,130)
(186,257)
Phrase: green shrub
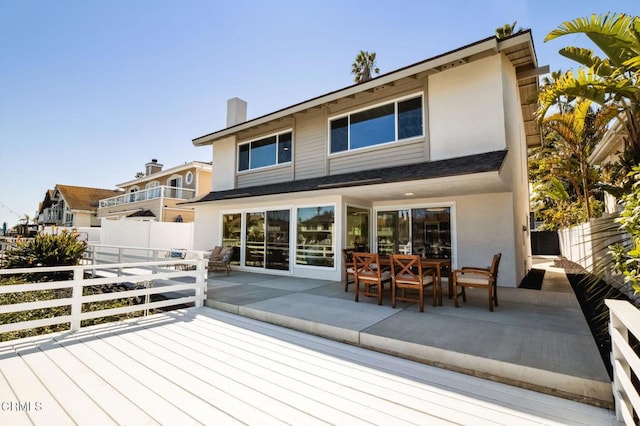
(62,249)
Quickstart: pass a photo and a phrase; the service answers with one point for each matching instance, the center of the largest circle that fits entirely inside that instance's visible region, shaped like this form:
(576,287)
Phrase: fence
(588,244)
(625,320)
(181,281)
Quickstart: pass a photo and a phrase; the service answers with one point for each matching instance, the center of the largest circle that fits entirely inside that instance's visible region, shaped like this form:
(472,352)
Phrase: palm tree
(506,30)
(363,66)
(575,133)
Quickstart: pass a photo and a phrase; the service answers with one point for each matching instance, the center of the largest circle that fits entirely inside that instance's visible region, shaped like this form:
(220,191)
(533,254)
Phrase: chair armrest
(478,271)
(473,268)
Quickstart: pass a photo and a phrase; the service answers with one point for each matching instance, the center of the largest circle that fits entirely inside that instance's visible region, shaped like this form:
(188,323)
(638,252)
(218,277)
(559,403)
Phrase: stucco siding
(484,225)
(466,109)
(224,164)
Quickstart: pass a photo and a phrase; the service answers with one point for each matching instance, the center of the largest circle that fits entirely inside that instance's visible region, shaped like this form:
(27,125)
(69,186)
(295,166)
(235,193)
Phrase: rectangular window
(265,152)
(315,236)
(391,122)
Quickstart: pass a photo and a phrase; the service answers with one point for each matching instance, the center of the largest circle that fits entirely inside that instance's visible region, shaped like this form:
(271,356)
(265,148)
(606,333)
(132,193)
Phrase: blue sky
(90,91)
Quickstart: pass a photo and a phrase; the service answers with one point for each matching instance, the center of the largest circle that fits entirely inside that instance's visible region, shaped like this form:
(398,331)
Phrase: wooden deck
(202,366)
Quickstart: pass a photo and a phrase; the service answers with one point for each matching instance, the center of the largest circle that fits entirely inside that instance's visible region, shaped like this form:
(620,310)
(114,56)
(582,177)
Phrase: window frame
(262,137)
(393,101)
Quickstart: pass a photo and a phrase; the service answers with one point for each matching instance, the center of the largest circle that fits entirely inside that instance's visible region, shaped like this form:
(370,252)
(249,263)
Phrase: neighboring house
(430,158)
(157,195)
(74,206)
(607,152)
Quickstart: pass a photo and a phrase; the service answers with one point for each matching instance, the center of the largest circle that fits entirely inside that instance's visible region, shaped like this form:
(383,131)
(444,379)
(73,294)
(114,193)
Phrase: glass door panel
(431,232)
(394,232)
(255,241)
(278,239)
(358,229)
(232,234)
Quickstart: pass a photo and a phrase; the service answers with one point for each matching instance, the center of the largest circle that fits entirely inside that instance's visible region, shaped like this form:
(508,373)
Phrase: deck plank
(201,366)
(8,416)
(510,397)
(28,389)
(298,389)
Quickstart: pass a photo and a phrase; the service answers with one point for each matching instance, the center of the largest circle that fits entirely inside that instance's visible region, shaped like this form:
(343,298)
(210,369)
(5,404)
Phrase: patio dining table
(432,263)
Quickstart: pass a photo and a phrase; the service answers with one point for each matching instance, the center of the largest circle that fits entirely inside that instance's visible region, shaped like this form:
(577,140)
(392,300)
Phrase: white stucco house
(430,158)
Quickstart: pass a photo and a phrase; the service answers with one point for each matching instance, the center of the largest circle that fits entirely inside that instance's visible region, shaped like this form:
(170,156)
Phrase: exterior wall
(482,225)
(209,234)
(82,218)
(466,109)
(224,163)
(515,168)
(310,145)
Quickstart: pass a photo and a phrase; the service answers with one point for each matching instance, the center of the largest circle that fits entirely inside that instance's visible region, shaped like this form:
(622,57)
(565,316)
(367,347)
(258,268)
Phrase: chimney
(152,167)
(236,111)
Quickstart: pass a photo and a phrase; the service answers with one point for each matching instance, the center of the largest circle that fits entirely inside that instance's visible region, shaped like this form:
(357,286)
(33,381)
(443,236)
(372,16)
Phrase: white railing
(181,281)
(624,319)
(148,194)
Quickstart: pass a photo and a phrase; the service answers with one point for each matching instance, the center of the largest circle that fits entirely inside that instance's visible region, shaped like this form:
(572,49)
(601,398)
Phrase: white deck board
(201,366)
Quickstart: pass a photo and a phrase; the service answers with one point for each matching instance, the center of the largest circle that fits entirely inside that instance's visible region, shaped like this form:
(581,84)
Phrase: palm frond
(610,32)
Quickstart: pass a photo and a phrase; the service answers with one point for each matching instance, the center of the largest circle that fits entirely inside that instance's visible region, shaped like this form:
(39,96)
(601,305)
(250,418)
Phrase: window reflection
(315,245)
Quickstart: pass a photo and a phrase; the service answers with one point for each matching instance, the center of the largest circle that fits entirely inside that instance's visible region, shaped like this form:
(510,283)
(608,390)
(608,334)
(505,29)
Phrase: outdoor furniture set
(412,272)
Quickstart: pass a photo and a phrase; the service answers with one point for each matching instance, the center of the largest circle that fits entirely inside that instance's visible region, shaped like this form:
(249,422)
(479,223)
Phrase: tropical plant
(363,66)
(507,29)
(611,81)
(627,256)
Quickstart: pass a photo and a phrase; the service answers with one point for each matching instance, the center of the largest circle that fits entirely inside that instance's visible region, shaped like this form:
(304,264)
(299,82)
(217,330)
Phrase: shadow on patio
(535,339)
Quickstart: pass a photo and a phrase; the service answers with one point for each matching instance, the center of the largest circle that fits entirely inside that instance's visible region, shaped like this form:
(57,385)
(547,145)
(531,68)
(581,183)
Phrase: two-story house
(430,158)
(157,194)
(74,206)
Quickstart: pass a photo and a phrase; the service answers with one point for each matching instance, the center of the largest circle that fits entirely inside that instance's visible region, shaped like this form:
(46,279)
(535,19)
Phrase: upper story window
(189,178)
(269,151)
(390,122)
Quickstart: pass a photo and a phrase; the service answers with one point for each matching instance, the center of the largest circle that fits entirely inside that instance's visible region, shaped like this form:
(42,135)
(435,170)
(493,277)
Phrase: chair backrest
(347,258)
(495,263)
(366,265)
(226,253)
(406,268)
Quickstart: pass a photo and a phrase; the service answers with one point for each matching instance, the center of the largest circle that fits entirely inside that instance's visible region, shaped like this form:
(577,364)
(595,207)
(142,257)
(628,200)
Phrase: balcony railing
(50,215)
(148,194)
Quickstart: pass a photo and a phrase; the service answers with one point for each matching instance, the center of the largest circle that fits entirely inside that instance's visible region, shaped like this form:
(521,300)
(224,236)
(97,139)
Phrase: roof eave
(431,64)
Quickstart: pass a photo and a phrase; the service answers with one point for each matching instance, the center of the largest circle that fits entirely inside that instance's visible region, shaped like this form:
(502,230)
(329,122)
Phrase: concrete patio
(535,339)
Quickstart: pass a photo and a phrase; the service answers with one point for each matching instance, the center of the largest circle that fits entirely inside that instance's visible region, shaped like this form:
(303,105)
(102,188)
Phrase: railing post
(201,283)
(120,252)
(76,295)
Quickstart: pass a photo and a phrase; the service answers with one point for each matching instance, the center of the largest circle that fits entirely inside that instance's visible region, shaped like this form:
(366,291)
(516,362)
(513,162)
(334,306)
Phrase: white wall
(466,114)
(484,228)
(224,163)
(148,234)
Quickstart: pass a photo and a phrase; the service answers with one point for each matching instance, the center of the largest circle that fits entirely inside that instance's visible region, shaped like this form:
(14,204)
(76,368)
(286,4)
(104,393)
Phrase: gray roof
(470,164)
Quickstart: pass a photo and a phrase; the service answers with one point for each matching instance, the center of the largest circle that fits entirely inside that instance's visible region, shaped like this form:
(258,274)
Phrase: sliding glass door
(424,231)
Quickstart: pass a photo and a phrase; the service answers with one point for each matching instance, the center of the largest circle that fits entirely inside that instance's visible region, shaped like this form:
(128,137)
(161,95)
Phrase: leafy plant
(627,257)
(44,250)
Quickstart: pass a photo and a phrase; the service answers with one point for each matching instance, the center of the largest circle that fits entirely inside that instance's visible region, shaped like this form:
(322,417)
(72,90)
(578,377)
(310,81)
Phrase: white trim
(250,141)
(189,177)
(394,101)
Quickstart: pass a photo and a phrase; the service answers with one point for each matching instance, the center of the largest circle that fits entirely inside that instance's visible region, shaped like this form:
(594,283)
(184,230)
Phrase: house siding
(280,173)
(310,145)
(393,154)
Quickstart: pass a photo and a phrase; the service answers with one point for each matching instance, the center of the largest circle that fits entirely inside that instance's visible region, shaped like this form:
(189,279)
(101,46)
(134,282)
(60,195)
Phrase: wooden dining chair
(347,268)
(367,271)
(407,274)
(478,278)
